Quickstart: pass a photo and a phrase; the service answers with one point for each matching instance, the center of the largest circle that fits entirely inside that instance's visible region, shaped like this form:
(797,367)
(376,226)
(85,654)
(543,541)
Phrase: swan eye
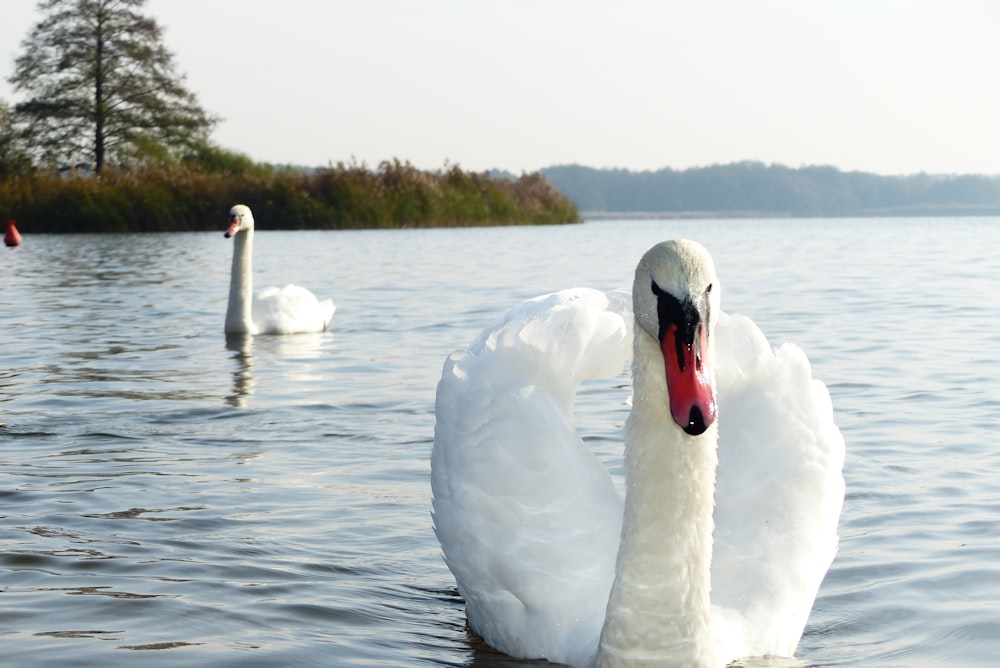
(708,289)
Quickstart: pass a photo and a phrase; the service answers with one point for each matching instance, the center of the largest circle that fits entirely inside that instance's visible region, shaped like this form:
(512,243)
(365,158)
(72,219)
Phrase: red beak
(689,380)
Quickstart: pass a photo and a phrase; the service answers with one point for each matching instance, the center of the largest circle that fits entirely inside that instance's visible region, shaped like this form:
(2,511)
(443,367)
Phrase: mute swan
(552,563)
(288,310)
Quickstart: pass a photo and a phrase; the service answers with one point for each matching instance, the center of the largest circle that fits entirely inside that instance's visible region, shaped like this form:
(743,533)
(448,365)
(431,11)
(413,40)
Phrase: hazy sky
(887,86)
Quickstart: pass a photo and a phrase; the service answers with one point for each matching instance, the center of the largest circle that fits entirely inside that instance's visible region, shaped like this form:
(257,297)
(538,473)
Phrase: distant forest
(754,189)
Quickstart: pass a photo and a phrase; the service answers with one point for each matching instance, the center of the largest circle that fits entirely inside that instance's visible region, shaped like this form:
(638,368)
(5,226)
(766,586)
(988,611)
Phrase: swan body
(288,310)
(733,476)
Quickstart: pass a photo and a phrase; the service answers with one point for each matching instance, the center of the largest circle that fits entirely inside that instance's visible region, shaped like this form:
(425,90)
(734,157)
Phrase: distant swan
(552,563)
(288,310)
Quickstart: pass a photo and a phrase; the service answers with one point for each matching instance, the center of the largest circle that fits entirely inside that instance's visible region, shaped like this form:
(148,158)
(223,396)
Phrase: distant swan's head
(676,300)
(240,218)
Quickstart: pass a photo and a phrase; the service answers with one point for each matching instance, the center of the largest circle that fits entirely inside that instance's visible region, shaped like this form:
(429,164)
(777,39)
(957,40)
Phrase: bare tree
(100,86)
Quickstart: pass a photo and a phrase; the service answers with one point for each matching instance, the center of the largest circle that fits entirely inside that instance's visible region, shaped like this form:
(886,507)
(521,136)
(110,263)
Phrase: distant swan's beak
(233,229)
(689,379)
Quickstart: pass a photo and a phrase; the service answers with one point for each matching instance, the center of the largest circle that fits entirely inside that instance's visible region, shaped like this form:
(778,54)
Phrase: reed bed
(341,196)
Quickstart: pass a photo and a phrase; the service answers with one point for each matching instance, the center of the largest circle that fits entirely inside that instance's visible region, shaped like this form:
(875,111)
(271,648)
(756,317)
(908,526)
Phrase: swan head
(676,300)
(240,218)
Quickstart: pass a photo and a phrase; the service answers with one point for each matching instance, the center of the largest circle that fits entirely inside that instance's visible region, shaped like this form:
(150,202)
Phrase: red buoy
(13,237)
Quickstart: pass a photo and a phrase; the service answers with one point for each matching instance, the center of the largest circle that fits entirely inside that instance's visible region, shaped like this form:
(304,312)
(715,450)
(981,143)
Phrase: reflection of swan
(243,378)
(286,310)
(284,364)
(531,524)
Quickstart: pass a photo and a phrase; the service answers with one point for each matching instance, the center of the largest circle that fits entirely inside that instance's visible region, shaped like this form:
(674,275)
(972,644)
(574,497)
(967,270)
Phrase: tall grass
(176,198)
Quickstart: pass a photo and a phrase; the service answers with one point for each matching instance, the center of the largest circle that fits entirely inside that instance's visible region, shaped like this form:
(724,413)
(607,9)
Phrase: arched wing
(779,492)
(527,517)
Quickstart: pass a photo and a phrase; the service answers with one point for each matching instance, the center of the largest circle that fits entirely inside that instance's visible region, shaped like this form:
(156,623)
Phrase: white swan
(288,310)
(552,564)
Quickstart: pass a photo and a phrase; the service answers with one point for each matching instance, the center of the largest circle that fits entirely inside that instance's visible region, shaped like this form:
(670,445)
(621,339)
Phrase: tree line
(107,138)
(759,189)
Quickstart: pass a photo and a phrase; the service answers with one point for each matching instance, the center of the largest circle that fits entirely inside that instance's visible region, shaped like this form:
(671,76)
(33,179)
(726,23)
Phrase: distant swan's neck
(659,611)
(239,318)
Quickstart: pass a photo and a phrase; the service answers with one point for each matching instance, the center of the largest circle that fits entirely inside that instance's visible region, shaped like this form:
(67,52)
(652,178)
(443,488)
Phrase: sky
(882,86)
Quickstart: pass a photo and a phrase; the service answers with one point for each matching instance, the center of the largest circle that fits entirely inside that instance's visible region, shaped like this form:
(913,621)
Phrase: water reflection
(484,656)
(289,365)
(241,346)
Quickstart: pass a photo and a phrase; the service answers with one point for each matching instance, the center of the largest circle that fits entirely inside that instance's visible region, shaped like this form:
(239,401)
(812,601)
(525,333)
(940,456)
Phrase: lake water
(168,498)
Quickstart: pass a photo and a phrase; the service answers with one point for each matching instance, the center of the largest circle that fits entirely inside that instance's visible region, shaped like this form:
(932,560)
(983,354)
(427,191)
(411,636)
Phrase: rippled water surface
(170,497)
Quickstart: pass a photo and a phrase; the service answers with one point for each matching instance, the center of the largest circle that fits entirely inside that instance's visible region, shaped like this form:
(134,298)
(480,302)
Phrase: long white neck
(239,319)
(659,611)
